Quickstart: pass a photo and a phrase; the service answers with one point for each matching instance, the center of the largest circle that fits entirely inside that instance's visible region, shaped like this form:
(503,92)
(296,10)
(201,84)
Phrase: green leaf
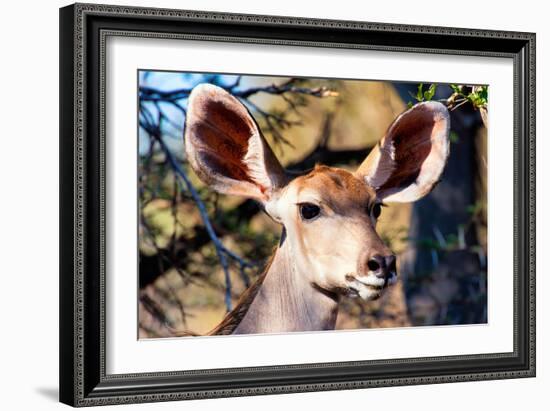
(410,104)
(456,88)
(478,98)
(428,94)
(482,96)
(419,93)
(484,92)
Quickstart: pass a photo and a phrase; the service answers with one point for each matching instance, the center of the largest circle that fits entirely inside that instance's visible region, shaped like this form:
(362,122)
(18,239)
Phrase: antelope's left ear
(408,161)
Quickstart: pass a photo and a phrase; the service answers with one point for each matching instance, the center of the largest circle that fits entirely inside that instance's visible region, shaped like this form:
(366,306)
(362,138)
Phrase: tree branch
(222,252)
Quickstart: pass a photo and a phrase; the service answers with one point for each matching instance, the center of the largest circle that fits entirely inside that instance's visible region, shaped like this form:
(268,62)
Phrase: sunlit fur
(332,250)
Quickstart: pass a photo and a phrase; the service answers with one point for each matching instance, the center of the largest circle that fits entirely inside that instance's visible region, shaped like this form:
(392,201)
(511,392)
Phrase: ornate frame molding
(82,143)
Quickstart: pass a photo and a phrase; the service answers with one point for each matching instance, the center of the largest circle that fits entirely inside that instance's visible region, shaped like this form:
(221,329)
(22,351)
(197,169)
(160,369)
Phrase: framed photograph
(260,204)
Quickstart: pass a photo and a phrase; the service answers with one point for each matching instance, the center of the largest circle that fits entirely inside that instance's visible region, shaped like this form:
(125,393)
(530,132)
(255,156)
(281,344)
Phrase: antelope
(329,248)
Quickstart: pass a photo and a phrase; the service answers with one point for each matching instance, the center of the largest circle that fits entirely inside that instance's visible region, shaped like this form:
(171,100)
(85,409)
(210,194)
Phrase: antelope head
(329,215)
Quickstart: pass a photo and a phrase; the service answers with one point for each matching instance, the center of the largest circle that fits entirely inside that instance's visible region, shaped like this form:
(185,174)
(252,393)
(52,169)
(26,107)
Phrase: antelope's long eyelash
(376,210)
(373,204)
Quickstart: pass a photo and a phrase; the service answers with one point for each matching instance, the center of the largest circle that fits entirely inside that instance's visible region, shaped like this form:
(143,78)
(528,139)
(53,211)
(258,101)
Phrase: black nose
(382,266)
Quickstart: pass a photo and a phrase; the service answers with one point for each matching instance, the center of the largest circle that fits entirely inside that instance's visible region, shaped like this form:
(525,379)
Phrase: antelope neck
(288,301)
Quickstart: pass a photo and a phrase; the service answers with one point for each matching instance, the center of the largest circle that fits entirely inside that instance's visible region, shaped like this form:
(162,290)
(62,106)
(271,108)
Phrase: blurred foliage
(422,95)
(200,250)
(476,95)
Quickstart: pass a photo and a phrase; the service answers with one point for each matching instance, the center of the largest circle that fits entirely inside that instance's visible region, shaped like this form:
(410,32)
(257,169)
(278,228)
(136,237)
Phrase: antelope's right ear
(408,161)
(226,148)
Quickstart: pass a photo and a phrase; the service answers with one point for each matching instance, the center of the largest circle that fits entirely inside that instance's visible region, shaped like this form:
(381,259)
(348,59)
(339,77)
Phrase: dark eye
(309,211)
(376,210)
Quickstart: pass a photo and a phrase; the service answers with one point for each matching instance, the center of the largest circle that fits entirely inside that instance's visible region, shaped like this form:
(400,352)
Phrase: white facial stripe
(272,208)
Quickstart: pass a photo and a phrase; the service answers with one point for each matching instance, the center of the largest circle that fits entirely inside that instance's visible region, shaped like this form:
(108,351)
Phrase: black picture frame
(83,29)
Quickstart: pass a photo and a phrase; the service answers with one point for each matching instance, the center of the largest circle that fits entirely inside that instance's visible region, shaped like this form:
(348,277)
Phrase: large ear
(408,161)
(226,148)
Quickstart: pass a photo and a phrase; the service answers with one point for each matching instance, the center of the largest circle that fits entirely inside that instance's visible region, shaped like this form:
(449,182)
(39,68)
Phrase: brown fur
(288,301)
(339,189)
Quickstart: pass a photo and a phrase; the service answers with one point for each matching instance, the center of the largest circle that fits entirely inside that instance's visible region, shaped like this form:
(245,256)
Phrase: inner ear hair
(408,161)
(225,147)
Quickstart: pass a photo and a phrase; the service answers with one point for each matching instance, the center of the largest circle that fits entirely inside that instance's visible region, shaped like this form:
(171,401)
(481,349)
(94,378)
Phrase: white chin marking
(371,280)
(368,294)
(370,287)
